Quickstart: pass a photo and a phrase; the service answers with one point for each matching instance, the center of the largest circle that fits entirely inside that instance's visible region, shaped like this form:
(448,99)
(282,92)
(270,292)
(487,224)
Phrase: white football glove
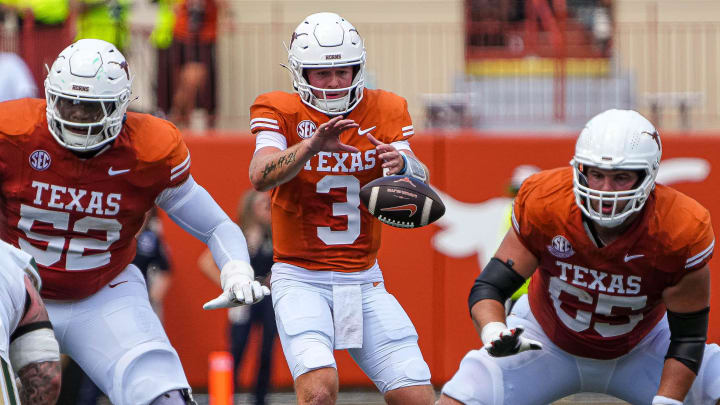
(500,341)
(239,288)
(661,400)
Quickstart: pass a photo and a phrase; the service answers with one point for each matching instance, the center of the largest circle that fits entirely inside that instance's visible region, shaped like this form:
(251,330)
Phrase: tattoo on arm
(284,160)
(40,383)
(36,311)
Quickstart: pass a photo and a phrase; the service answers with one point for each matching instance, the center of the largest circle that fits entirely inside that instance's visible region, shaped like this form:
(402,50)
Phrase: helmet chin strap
(77,140)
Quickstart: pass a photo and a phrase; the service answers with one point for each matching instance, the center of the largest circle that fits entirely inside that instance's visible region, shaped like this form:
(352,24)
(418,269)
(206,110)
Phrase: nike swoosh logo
(409,207)
(116,284)
(112,172)
(628,257)
(365,131)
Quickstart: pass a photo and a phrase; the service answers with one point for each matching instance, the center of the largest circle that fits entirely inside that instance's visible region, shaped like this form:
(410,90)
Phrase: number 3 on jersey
(75,259)
(349,208)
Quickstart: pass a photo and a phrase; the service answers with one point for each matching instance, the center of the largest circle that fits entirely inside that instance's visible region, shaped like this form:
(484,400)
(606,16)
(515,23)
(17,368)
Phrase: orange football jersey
(318,220)
(79,217)
(600,302)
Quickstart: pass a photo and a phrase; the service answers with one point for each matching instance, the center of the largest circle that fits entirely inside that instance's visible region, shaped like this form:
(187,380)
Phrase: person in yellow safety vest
(162,34)
(519,175)
(47,12)
(104,19)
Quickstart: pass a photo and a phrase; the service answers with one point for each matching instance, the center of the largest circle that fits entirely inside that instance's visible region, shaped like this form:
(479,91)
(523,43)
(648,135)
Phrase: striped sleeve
(264,115)
(407,131)
(179,163)
(701,250)
(264,124)
(701,257)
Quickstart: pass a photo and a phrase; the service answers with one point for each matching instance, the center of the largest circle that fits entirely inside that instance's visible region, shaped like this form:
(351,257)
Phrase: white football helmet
(616,140)
(90,75)
(326,40)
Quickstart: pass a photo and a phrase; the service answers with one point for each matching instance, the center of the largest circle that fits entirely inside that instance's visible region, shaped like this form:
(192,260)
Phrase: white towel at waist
(348,316)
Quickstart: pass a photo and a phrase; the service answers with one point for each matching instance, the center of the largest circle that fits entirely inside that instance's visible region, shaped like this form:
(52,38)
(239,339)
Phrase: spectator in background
(104,19)
(254,219)
(16,81)
(152,260)
(43,32)
(192,63)
(161,38)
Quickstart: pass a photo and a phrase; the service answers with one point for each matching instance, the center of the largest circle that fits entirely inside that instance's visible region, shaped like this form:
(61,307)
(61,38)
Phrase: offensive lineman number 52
(75,259)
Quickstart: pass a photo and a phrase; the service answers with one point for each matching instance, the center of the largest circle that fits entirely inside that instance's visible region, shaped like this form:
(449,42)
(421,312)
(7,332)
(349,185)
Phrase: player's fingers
(328,126)
(257,291)
(373,140)
(507,334)
(266,290)
(246,296)
(334,120)
(389,156)
(529,344)
(220,302)
(347,148)
(337,123)
(344,127)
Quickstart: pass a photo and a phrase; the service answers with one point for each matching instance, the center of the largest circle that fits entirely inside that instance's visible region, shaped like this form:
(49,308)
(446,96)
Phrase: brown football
(402,201)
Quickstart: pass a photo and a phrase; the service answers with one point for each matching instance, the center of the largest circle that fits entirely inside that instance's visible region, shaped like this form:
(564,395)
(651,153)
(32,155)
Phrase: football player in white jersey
(28,348)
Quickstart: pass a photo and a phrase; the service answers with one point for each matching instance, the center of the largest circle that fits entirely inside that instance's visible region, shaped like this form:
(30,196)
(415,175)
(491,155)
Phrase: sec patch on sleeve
(402,202)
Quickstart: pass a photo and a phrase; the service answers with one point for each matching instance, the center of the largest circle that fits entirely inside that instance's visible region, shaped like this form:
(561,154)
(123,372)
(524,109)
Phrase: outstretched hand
(501,341)
(392,160)
(239,288)
(327,136)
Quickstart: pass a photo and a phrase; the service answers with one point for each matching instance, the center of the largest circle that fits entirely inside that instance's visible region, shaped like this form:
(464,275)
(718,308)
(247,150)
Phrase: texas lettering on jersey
(318,221)
(79,217)
(600,302)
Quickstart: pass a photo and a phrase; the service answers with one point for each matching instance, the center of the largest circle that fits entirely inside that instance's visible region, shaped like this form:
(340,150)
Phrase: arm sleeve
(402,145)
(269,138)
(191,207)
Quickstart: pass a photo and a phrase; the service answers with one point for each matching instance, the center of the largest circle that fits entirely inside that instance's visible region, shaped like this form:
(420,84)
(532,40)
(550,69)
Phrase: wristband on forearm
(413,168)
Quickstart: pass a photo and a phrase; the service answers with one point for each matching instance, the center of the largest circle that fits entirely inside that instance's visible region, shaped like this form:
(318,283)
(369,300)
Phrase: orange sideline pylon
(220,381)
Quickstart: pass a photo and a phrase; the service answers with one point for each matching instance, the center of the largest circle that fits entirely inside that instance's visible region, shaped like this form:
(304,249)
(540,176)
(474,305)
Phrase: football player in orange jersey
(315,150)
(78,173)
(619,302)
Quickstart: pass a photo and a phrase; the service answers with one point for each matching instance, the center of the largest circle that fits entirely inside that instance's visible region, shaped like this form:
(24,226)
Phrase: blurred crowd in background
(513,65)
(183,36)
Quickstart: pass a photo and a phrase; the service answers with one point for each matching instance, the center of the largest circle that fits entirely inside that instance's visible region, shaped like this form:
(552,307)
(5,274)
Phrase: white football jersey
(12,289)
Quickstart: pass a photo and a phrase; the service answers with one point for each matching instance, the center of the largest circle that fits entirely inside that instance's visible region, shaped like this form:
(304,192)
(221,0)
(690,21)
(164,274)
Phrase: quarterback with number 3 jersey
(619,302)
(78,173)
(315,149)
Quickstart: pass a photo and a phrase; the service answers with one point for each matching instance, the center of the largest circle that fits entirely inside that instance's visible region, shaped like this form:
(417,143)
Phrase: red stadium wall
(429,279)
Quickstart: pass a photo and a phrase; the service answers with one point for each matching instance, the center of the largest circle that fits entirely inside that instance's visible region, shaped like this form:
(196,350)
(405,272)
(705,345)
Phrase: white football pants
(544,376)
(117,339)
